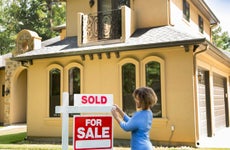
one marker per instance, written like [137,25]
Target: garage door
[219,101]
[204,104]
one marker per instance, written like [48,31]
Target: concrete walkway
[221,139]
[12,129]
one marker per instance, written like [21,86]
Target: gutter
[195,91]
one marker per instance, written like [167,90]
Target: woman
[140,123]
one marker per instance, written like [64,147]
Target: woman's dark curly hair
[146,97]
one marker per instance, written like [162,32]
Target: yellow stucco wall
[103,76]
[150,13]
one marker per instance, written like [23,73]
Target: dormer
[27,40]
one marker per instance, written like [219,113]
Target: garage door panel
[219,102]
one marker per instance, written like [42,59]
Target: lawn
[12,138]
[17,142]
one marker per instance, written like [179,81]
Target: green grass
[17,142]
[12,138]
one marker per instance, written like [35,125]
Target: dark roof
[165,36]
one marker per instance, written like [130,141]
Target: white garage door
[219,102]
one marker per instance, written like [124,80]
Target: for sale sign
[92,132]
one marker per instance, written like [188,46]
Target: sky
[221,8]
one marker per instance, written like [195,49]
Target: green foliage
[35,15]
[12,138]
[221,39]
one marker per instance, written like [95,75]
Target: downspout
[195,91]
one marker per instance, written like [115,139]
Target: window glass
[55,83]
[153,80]
[201,24]
[125,2]
[186,10]
[128,86]
[74,84]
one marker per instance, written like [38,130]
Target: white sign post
[83,103]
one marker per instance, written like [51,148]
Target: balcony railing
[102,26]
[115,25]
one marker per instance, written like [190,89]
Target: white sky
[221,8]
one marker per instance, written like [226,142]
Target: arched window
[154,74]
[74,84]
[55,91]
[153,80]
[128,86]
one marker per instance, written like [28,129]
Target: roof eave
[219,54]
[113,49]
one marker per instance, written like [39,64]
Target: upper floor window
[125,2]
[55,91]
[186,10]
[128,86]
[201,24]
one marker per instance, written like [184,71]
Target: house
[113,47]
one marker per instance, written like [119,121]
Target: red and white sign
[93,99]
[92,132]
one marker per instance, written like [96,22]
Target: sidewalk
[12,129]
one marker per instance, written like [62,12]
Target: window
[201,24]
[55,89]
[128,86]
[153,69]
[153,80]
[125,2]
[186,10]
[3,90]
[74,84]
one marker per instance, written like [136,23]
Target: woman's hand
[114,113]
[117,113]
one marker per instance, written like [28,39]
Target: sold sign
[93,99]
[92,132]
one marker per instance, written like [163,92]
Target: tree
[221,39]
[35,15]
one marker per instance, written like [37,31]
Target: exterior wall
[151,13]
[103,76]
[19,96]
[2,82]
[63,34]
[176,15]
[9,107]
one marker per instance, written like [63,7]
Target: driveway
[221,139]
